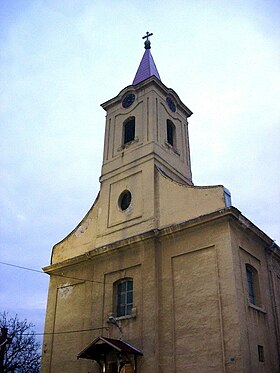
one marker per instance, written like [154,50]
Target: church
[161,275]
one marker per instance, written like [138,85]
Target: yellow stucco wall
[184,249]
[190,302]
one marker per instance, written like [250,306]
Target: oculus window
[124,297]
[129,130]
[125,200]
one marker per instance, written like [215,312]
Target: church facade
[160,276]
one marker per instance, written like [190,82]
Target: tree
[23,354]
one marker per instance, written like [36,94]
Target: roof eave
[229,212]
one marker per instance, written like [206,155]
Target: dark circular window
[171,104]
[125,200]
[128,100]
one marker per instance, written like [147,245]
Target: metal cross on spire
[147,41]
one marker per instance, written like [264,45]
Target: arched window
[170,132]
[253,285]
[129,130]
[123,297]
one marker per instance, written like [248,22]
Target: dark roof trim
[116,344]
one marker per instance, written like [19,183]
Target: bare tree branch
[23,354]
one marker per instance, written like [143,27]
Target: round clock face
[171,104]
[128,100]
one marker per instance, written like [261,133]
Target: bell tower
[146,132]
[147,121]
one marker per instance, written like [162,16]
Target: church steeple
[147,123]
[147,67]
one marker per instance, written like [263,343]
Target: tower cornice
[144,84]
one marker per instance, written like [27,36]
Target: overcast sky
[60,59]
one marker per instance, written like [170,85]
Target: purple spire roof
[146,69]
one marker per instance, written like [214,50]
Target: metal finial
[147,41]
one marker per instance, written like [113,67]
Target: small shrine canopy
[106,350]
[102,346]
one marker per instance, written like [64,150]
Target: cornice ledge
[102,250]
[246,224]
[228,212]
[274,250]
[202,219]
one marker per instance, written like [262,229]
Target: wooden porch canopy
[111,354]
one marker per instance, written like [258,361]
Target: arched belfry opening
[129,130]
[170,133]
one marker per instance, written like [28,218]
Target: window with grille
[124,297]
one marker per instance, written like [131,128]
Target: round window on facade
[124,200]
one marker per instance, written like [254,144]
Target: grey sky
[61,59]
